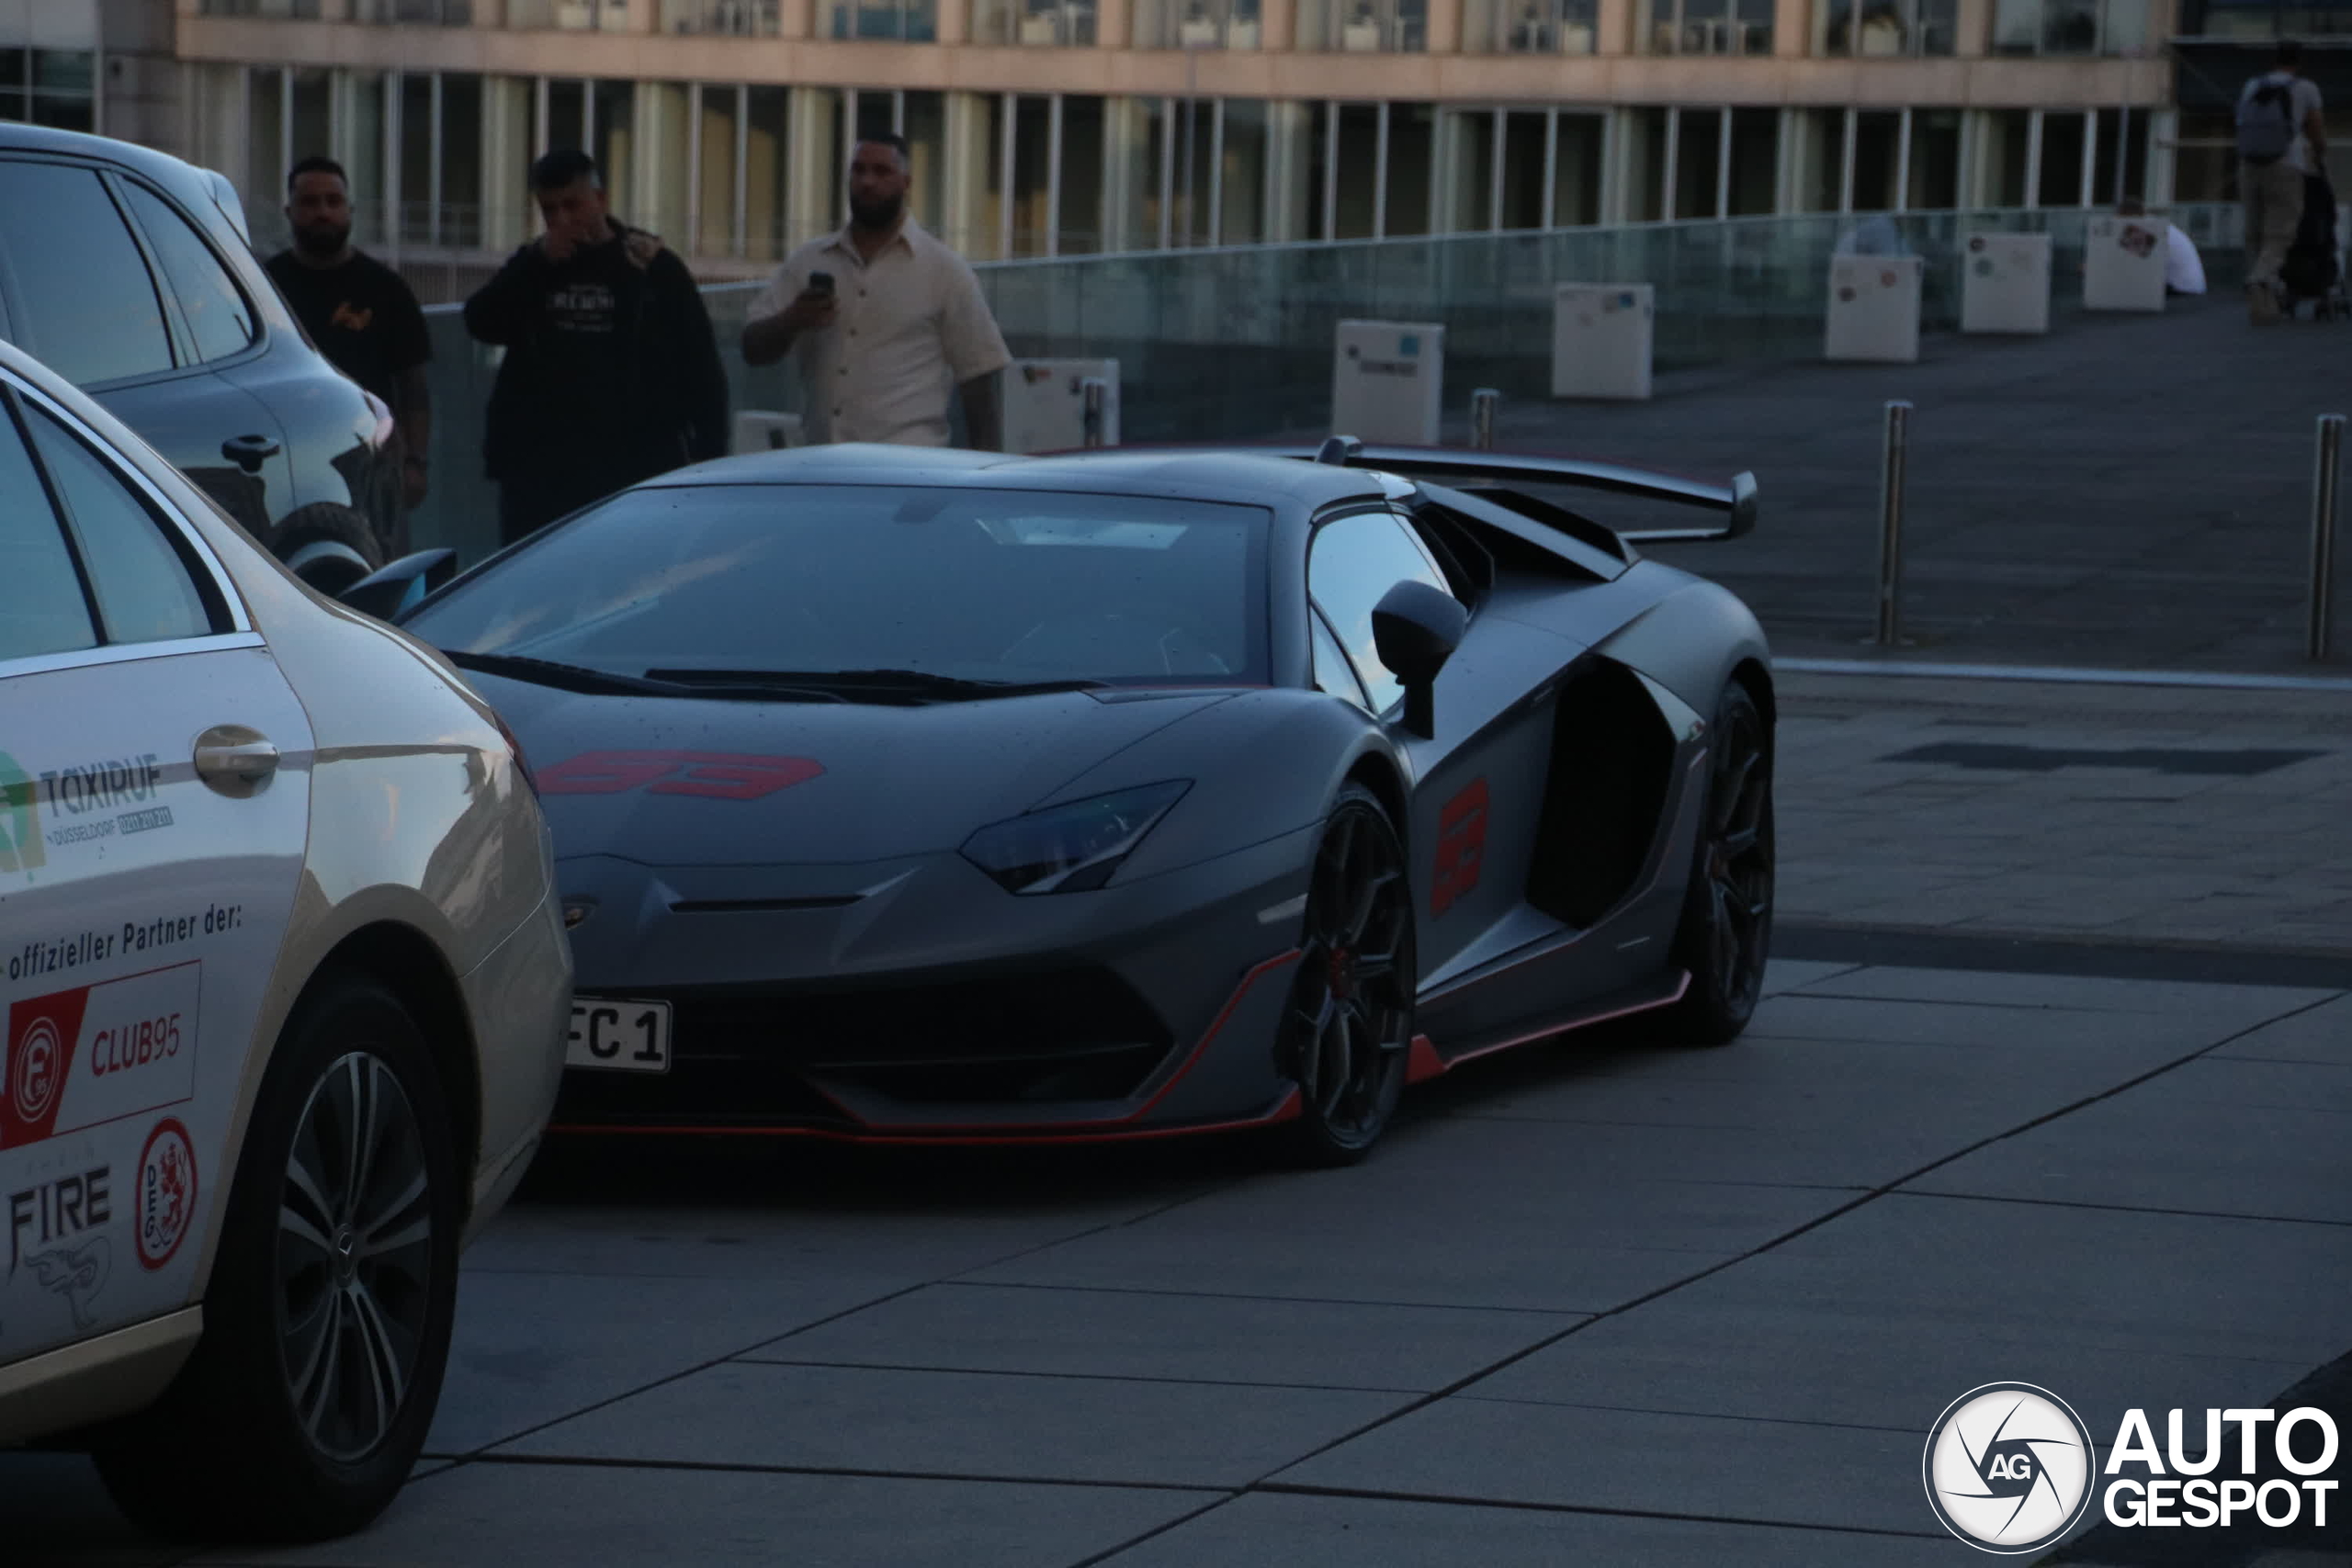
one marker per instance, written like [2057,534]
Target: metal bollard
[1483,403]
[1097,392]
[2326,469]
[1889,535]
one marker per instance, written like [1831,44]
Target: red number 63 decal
[713,775]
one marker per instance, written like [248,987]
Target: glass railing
[1236,344]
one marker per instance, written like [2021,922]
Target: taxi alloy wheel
[328,1312]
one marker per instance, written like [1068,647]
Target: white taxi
[284,992]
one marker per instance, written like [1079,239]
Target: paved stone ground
[1604,1302]
[2127,492]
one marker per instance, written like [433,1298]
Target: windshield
[1018,587]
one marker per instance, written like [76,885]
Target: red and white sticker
[165,1201]
[98,1053]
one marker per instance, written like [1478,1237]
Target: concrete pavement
[2055,1087]
[2130,490]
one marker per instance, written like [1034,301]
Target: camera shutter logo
[2008,1467]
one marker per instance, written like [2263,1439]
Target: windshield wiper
[612,682]
[563,677]
[872,685]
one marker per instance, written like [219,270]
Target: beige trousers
[2274,206]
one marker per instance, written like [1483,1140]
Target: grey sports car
[914,796]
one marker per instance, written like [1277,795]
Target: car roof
[1226,475]
[161,167]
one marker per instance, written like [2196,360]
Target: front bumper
[1133,1011]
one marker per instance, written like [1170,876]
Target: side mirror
[1415,629]
[1743,506]
[389,590]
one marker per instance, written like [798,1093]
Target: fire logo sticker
[2008,1467]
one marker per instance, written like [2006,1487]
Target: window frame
[233,625]
[166,301]
[119,183]
[1405,523]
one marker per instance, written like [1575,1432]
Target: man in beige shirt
[884,318]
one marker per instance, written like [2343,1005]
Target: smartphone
[820,282]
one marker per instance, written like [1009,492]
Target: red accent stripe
[1549,1030]
[1422,1061]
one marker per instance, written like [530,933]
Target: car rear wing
[1490,471]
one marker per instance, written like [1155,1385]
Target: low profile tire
[328,547]
[1726,930]
[1345,1033]
[327,1318]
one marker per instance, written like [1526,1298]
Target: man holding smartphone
[884,320]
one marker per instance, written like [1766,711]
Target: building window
[49,86]
[1365,27]
[747,18]
[1041,23]
[2071,27]
[1878,28]
[1711,26]
[298,10]
[562,16]
[1196,24]
[1530,27]
[906,21]
[427,13]
[2264,19]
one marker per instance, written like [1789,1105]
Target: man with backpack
[2280,141]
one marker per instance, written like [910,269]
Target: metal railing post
[2327,467]
[1096,391]
[1890,534]
[1483,403]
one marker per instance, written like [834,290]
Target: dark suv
[131,274]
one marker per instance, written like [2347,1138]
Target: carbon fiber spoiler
[1470,469]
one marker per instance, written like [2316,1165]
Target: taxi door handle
[232,757]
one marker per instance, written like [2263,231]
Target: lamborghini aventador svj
[944,795]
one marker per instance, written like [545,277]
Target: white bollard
[1602,339]
[2005,283]
[1045,403]
[2123,263]
[1873,309]
[1389,381]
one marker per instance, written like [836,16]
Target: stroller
[2313,270]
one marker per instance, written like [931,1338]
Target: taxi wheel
[328,1315]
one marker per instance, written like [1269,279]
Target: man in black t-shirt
[357,310]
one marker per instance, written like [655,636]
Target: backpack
[2266,125]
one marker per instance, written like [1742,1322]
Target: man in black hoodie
[612,374]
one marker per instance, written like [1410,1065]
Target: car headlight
[1073,848]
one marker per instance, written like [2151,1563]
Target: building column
[659,162]
[798,18]
[1615,35]
[1444,26]
[1290,149]
[813,164]
[1114,23]
[1972,30]
[1788,162]
[967,156]
[1619,130]
[2164,127]
[1278,25]
[506,116]
[1793,29]
[953,19]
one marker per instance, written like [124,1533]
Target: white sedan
[286,992]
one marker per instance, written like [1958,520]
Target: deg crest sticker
[164,1203]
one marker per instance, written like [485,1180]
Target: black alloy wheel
[1346,1032]
[1726,930]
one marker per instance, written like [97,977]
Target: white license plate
[612,1035]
